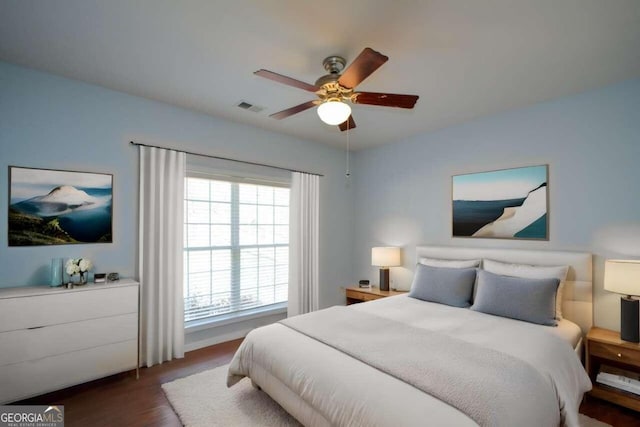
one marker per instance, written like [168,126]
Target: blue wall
[591,143]
[401,191]
[52,122]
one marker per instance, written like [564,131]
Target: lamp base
[629,322]
[384,279]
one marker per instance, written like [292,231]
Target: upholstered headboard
[577,304]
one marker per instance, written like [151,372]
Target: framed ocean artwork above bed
[57,207]
[502,204]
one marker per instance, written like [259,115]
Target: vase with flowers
[79,266]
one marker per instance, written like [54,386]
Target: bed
[403,361]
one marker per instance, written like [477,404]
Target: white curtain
[303,243]
[162,174]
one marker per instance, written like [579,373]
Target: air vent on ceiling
[246,106]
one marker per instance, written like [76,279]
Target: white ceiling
[465,59]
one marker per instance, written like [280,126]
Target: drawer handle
[619,355]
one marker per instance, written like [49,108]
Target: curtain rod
[226,158]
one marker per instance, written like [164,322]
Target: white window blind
[236,248]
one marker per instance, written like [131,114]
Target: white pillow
[526,271]
[450,263]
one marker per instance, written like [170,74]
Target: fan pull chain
[348,172]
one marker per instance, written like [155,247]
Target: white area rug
[203,400]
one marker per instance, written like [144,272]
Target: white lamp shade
[334,112]
[622,276]
[388,256]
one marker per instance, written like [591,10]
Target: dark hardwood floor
[121,400]
[609,413]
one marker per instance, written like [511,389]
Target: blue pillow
[531,300]
[450,286]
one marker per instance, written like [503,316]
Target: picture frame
[59,207]
[501,204]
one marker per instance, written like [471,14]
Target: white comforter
[322,386]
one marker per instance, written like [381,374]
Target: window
[236,246]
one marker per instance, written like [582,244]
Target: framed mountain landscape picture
[56,207]
[503,204]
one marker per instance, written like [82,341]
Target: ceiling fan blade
[293,110]
[362,67]
[285,80]
[347,124]
[385,99]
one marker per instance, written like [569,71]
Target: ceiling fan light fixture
[335,91]
[334,112]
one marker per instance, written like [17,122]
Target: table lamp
[623,277]
[385,257]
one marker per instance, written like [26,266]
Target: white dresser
[52,338]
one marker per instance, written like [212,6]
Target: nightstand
[356,294]
[604,347]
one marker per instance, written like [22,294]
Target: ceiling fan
[335,90]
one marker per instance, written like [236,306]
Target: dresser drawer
[53,309]
[362,296]
[31,378]
[614,352]
[32,344]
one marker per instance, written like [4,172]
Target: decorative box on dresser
[604,347]
[52,338]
